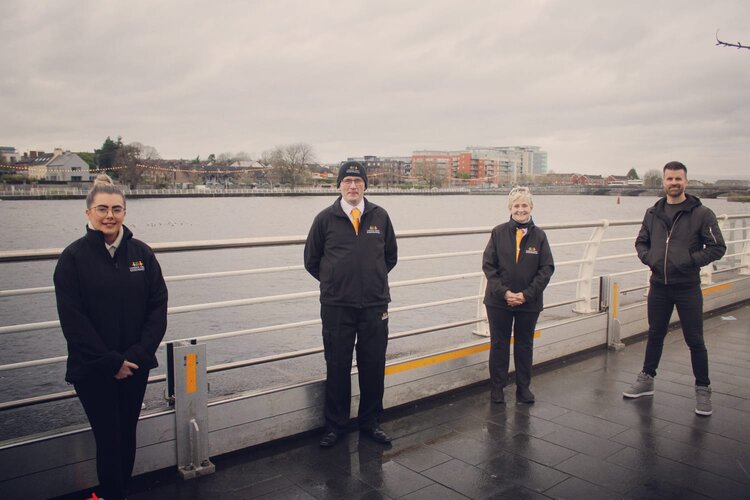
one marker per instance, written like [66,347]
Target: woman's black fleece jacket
[529,275]
[110,308]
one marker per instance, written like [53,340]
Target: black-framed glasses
[353,180]
[103,210]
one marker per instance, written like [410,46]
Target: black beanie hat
[352,169]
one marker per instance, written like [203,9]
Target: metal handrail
[261,242]
[187,246]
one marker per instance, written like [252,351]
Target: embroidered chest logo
[373,230]
[532,250]
[136,265]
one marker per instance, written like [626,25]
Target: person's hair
[103,184]
[519,192]
[674,165]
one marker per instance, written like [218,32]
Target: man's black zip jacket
[529,275]
[352,269]
[676,249]
[110,308]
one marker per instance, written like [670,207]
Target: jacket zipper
[666,249]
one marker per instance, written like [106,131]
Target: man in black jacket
[351,249]
[678,236]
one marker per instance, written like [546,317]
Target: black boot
[524,394]
[497,395]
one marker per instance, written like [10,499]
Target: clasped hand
[514,298]
[126,370]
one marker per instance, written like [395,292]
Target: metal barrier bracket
[191,410]
[609,289]
[482,327]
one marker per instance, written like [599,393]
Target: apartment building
[479,165]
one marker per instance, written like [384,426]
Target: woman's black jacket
[529,275]
[110,308]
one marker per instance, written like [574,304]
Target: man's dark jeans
[662,299]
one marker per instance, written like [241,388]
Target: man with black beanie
[350,250]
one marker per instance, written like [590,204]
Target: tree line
[289,164]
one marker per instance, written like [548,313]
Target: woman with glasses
[518,265]
[112,304]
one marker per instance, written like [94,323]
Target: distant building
[556,179]
[385,170]
[36,164]
[68,167]
[588,180]
[479,165]
[9,155]
[617,180]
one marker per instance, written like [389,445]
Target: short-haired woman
[518,265]
[112,304]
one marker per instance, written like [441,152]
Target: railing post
[481,328]
[745,257]
[708,271]
[609,300]
[586,270]
[191,410]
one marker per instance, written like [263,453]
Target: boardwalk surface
[580,440]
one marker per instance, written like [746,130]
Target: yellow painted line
[724,286]
[191,372]
[441,358]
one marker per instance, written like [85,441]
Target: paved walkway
[580,440]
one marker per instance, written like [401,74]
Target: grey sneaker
[644,386]
[703,400]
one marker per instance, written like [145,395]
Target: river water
[54,224]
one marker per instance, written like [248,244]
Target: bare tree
[725,44]
[224,158]
[289,163]
[128,162]
[652,178]
[432,175]
[146,152]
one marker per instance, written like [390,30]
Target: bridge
[614,190]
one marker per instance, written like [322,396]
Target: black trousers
[522,324]
[662,299]
[112,407]
[341,327]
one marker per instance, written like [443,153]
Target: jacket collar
[690,203]
[340,212]
[526,225]
[97,237]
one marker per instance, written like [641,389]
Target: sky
[602,86]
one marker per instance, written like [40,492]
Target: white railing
[583,294]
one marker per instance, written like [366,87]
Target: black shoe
[497,395]
[328,439]
[376,434]
[524,395]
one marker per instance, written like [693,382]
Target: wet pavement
[581,439]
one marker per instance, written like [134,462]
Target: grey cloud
[602,86]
